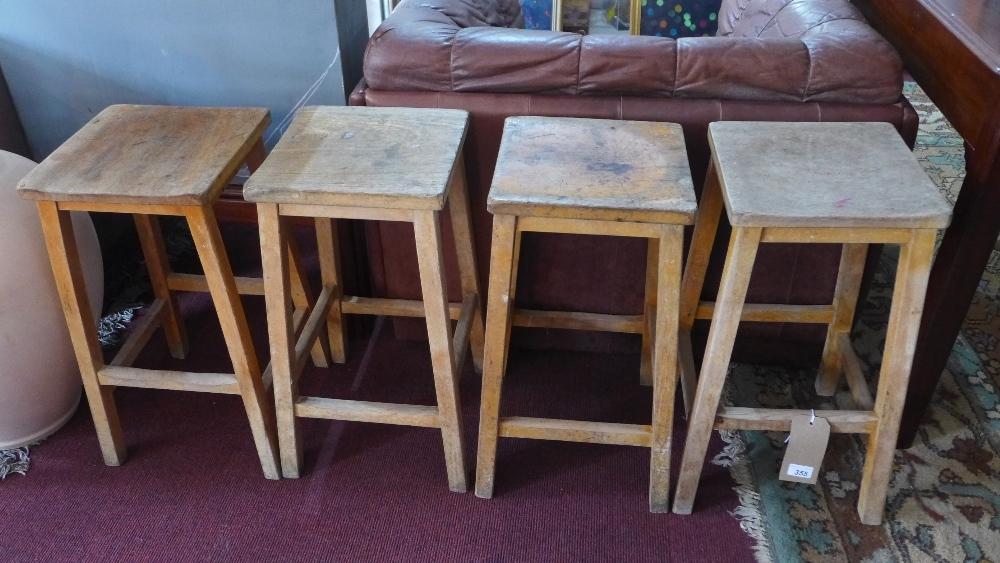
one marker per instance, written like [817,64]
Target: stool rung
[460,341]
[575,431]
[198,283]
[311,328]
[766,313]
[747,418]
[354,305]
[366,411]
[854,373]
[139,334]
[120,376]
[572,320]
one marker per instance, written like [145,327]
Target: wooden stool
[853,184]
[598,177]
[150,161]
[381,164]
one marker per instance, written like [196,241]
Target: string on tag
[812,422]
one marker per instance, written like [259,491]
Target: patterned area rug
[944,499]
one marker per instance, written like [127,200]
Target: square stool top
[595,169]
[849,175]
[149,154]
[399,158]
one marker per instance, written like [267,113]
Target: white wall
[66,60]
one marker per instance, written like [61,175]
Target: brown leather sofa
[777,60]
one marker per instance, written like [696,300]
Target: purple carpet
[192,488]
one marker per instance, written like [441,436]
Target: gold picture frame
[635,15]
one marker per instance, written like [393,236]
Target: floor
[192,489]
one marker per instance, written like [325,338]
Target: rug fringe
[15,460]
[749,513]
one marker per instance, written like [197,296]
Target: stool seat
[847,175]
[149,155]
[397,158]
[621,171]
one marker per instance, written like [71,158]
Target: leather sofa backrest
[768,50]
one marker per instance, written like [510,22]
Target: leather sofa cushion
[767,50]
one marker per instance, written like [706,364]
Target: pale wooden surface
[670,248]
[503,257]
[430,262]
[845,301]
[236,332]
[278,300]
[364,157]
[908,293]
[593,169]
[65,259]
[150,155]
[721,338]
[823,175]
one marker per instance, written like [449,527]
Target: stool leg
[60,242]
[281,334]
[668,266]
[649,308]
[845,301]
[512,293]
[155,253]
[502,278]
[721,336]
[706,227]
[329,264]
[222,286]
[427,228]
[303,299]
[465,249]
[915,260]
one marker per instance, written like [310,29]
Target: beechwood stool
[595,177]
[379,164]
[852,184]
[150,161]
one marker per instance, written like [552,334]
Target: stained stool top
[149,154]
[849,175]
[593,169]
[399,158]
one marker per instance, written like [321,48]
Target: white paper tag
[800,471]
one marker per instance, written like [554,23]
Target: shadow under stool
[151,161]
[595,177]
[852,184]
[376,164]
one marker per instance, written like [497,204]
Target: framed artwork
[597,17]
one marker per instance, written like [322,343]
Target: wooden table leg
[60,242]
[958,269]
[649,309]
[328,245]
[303,298]
[497,340]
[465,249]
[900,343]
[668,265]
[427,229]
[280,332]
[718,351]
[155,253]
[222,286]
[706,226]
[845,301]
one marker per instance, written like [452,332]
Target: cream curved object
[39,380]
